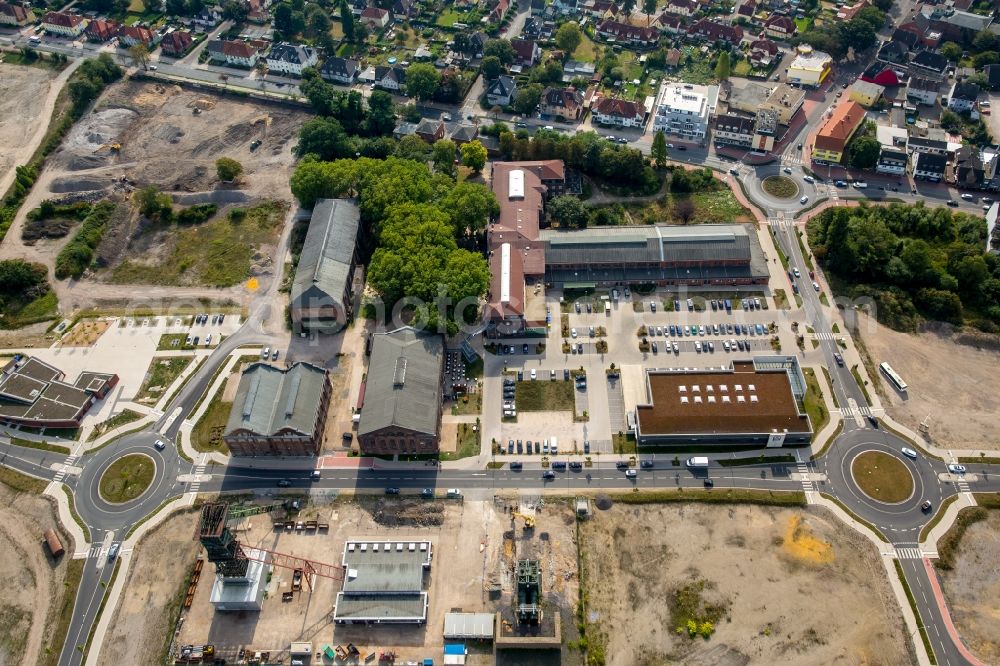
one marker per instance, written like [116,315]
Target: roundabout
[882,477]
[780,187]
[127,478]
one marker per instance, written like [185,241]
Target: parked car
[284,483]
[392,491]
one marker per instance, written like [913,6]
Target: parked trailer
[54,544]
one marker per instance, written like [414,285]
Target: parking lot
[704,336]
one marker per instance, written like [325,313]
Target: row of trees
[415,218]
[585,151]
[914,261]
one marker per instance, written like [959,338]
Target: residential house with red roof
[176,43]
[762,53]
[64,24]
[499,10]
[625,33]
[100,30]
[618,112]
[131,35]
[240,54]
[526,52]
[375,18]
[716,32]
[12,14]
[671,23]
[562,103]
[780,26]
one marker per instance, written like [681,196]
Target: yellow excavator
[529,521]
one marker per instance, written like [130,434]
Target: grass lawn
[781,299]
[623,443]
[741,68]
[16,315]
[718,206]
[448,18]
[882,477]
[173,342]
[803,24]
[336,30]
[216,253]
[41,446]
[467,445]
[862,383]
[137,6]
[207,433]
[815,407]
[120,419]
[586,51]
[127,478]
[780,186]
[162,372]
[468,404]
[544,396]
[21,482]
[694,68]
[59,627]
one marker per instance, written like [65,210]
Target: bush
[77,255]
[196,214]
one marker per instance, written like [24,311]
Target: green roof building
[279,411]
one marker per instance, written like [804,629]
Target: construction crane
[231,559]
[529,521]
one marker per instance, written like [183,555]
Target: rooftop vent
[399,376]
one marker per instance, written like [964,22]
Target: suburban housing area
[425,319]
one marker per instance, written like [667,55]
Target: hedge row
[77,255]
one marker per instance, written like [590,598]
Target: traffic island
[780,187]
[127,478]
[882,477]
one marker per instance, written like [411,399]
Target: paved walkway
[943,607]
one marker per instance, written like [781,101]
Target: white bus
[893,378]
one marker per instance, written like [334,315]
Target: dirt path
[28,115]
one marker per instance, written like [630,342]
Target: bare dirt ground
[31,580]
[22,97]
[973,588]
[950,384]
[468,541]
[781,586]
[140,627]
[165,143]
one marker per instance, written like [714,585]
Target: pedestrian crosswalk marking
[855,411]
[195,485]
[61,474]
[909,554]
[807,484]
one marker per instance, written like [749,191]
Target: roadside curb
[964,501]
[887,555]
[114,594]
[80,542]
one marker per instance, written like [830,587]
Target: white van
[697,462]
[554,446]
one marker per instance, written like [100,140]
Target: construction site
[326,580]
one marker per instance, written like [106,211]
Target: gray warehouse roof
[270,399]
[325,264]
[404,380]
[468,625]
[664,244]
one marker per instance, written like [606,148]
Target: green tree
[473,155]
[283,19]
[980,60]
[422,80]
[228,169]
[139,55]
[154,204]
[628,6]
[491,67]
[443,156]
[568,37]
[412,147]
[470,206]
[951,51]
[568,212]
[985,41]
[501,49]
[722,66]
[347,21]
[649,8]
[325,138]
[864,152]
[235,11]
[659,149]
[381,119]
[527,97]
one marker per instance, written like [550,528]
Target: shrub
[77,255]
[196,214]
